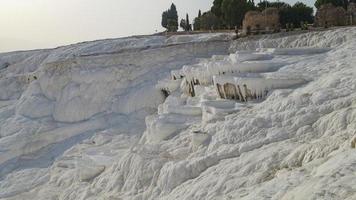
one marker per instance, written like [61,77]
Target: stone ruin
[329,15]
[351,11]
[267,20]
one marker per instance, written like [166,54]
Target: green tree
[295,14]
[216,9]
[234,11]
[302,13]
[266,4]
[173,19]
[209,21]
[173,14]
[164,21]
[197,21]
[170,19]
[188,25]
[185,24]
[172,25]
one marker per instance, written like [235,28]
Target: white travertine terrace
[115,119]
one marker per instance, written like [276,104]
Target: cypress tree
[170,19]
[173,19]
[197,25]
[187,23]
[164,22]
[216,9]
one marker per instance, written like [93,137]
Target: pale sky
[32,24]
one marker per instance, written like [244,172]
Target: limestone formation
[230,91]
[4,65]
[246,89]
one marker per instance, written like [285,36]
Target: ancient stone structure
[351,11]
[329,15]
[267,20]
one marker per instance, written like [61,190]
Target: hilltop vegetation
[229,14]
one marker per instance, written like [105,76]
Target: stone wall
[329,15]
[265,20]
[351,11]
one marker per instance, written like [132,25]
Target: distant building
[329,15]
[267,20]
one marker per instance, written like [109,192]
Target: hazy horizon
[35,24]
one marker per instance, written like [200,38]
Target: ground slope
[295,142]
[53,99]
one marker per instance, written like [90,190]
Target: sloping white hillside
[181,118]
[51,100]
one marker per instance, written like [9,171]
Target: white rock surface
[77,130]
